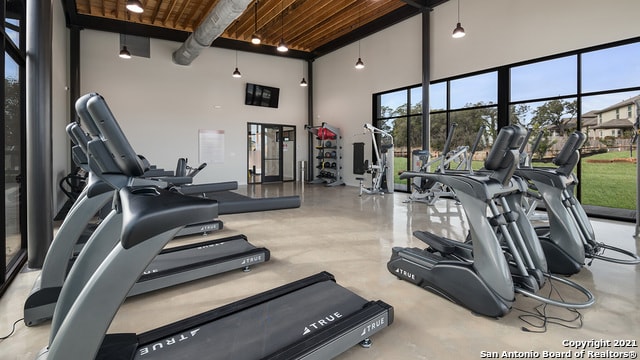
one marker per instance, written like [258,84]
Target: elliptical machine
[503,257]
[382,170]
[459,159]
[569,238]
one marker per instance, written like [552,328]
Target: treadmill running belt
[262,329]
[196,253]
[234,203]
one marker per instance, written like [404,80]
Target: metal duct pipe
[213,26]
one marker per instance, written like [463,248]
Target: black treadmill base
[312,317]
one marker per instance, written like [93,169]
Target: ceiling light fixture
[236,72]
[255,39]
[124,53]
[135,6]
[359,63]
[458,32]
[282,46]
[303,83]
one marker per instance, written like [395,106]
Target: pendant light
[236,72]
[303,83]
[458,32]
[135,6]
[359,63]
[255,39]
[124,52]
[282,46]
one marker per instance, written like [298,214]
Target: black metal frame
[9,269]
[504,99]
[280,155]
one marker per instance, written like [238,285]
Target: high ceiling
[310,28]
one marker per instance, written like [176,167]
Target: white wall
[342,94]
[161,105]
[59,103]
[499,32]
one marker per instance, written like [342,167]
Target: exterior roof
[615,124]
[630,101]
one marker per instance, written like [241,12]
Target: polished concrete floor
[351,237]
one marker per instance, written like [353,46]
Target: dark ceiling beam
[417,3]
[424,4]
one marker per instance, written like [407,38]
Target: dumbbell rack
[328,155]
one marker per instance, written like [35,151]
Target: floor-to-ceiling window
[465,105]
[595,90]
[13,221]
[399,112]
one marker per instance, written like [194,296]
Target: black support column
[426,78]
[39,157]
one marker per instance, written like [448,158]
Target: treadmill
[172,266]
[313,318]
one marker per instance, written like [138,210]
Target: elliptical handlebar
[447,145]
[526,141]
[474,147]
[536,143]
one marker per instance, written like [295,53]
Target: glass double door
[270,153]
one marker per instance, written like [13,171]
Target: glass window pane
[612,68]
[608,175]
[392,104]
[438,132]
[544,79]
[14,10]
[12,155]
[398,130]
[474,91]
[416,100]
[13,31]
[468,125]
[438,96]
[552,119]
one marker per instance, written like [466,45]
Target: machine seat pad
[443,245]
[148,211]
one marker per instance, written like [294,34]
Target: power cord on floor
[540,314]
[13,329]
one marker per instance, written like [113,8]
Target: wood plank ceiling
[305,25]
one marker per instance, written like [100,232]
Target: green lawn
[611,184]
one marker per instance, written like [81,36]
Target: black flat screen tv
[260,95]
